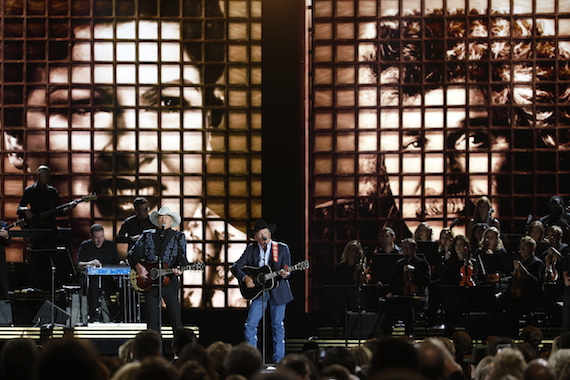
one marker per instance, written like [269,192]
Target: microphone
[455,221]
[162,231]
[528,220]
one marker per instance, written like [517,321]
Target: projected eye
[472,140]
[413,143]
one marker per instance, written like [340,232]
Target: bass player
[168,247]
[265,251]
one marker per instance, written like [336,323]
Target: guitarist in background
[38,198]
[170,247]
[277,255]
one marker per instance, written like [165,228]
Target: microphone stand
[263,310]
[161,252]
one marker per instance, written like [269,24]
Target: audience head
[192,370]
[563,340]
[335,372]
[18,359]
[339,355]
[218,351]
[198,353]
[243,359]
[147,343]
[533,335]
[157,368]
[483,368]
[182,337]
[66,359]
[558,359]
[362,355]
[507,362]
[393,353]
[539,369]
[299,364]
[129,371]
[431,360]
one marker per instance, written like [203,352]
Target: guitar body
[154,274]
[141,285]
[258,274]
[264,279]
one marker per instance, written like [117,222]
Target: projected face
[134,105]
[451,151]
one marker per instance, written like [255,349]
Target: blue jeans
[277,315]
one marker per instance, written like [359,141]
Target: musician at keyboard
[97,252]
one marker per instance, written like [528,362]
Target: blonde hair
[352,243]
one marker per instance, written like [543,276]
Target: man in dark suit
[265,251]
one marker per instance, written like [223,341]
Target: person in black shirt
[525,289]
[169,246]
[350,270]
[134,225]
[97,252]
[407,290]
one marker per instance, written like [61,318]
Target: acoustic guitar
[154,274]
[27,223]
[264,279]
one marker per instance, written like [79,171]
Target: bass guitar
[26,223]
[154,274]
[264,279]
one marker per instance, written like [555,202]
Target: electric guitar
[154,274]
[264,279]
[27,223]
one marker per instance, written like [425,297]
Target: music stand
[349,298]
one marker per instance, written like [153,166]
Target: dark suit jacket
[282,293]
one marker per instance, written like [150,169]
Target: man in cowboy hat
[169,247]
[265,251]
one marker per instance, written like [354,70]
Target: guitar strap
[275,250]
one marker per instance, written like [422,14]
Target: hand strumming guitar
[248,281]
[141,271]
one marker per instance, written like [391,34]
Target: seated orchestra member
[482,214]
[407,290]
[97,252]
[351,269]
[134,225]
[553,257]
[436,259]
[169,246]
[458,270]
[423,232]
[557,215]
[536,230]
[566,295]
[525,288]
[476,235]
[493,262]
[387,246]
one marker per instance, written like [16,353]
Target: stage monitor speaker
[6,313]
[43,316]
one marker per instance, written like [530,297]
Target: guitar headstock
[89,197]
[301,265]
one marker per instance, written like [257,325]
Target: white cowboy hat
[164,210]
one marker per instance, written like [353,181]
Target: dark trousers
[154,306]
[399,308]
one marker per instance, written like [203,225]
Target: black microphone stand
[160,253]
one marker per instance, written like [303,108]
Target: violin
[466,274]
[550,273]
[410,287]
[518,277]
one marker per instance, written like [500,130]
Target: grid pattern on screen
[163,103]
[419,108]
